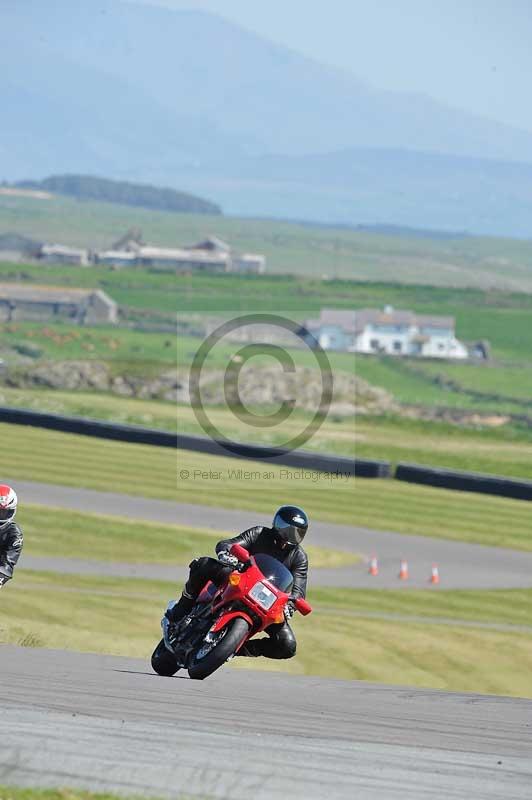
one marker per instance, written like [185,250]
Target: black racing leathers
[281,642]
[262,540]
[10,549]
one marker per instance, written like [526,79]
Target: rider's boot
[175,614]
[172,617]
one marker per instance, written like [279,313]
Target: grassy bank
[504,450]
[437,649]
[97,537]
[80,461]
[15,793]
[500,387]
[62,342]
[499,316]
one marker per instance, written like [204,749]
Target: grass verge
[16,793]
[80,461]
[503,450]
[70,534]
[463,261]
[121,617]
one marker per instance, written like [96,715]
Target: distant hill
[371,186]
[88,187]
[187,99]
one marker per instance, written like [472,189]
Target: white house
[388,332]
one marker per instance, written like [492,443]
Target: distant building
[61,254]
[53,303]
[182,260]
[14,247]
[116,258]
[248,262]
[210,255]
[213,244]
[387,332]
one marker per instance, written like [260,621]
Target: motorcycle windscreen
[275,572]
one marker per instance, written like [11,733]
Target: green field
[119,347]
[437,648]
[500,391]
[95,405]
[289,247]
[506,450]
[71,460]
[97,537]
[15,793]
[493,388]
[499,316]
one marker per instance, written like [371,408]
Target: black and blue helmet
[290,525]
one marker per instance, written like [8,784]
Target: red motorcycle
[223,619]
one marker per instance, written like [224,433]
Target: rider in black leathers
[282,541]
[10,534]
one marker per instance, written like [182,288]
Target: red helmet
[8,505]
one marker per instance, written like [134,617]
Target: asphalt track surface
[108,723]
[461,566]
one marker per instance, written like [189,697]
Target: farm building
[209,255]
[387,332]
[14,247]
[61,254]
[183,260]
[116,258]
[54,303]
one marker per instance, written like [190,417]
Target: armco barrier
[299,459]
[88,427]
[465,481]
[302,459]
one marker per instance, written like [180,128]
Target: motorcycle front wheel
[205,663]
[162,661]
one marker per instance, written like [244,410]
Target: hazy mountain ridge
[368,186]
[190,100]
[266,97]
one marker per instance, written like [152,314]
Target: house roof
[50,294]
[213,244]
[180,254]
[131,240]
[344,318]
[125,255]
[16,242]
[62,250]
[429,321]
[356,320]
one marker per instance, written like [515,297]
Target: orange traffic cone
[434,575]
[373,566]
[403,570]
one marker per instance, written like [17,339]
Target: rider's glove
[289,610]
[228,560]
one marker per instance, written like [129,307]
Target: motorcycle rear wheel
[237,630]
[162,661]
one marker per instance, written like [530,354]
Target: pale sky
[475,54]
